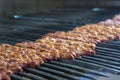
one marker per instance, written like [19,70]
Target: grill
[103,66]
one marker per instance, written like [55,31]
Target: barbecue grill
[105,65]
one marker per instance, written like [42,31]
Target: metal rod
[98,62]
[66,70]
[103,60]
[74,68]
[31,76]
[43,74]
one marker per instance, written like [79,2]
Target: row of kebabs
[68,45]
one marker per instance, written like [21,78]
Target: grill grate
[107,60]
[104,63]
[86,68]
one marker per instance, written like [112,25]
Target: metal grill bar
[16,77]
[107,57]
[47,74]
[109,45]
[75,68]
[6,41]
[98,62]
[31,76]
[91,65]
[8,26]
[15,39]
[113,46]
[21,37]
[67,70]
[58,73]
[103,60]
[112,54]
[30,35]
[107,49]
[115,42]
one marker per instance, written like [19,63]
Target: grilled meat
[68,45]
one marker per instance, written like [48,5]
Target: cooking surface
[103,66]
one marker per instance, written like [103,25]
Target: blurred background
[23,7]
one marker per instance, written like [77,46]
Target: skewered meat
[68,45]
[42,49]
[116,17]
[75,46]
[86,35]
[3,75]
[111,23]
[13,59]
